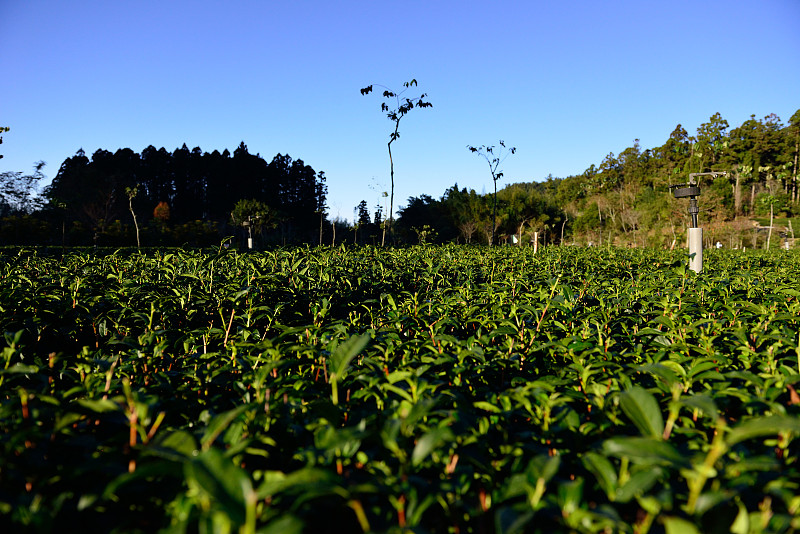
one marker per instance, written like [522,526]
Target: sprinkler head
[692,191]
[686,190]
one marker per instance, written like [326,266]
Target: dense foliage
[86,201]
[625,199]
[428,389]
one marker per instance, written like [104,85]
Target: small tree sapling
[395,112]
[494,157]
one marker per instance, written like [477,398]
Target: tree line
[626,199]
[184,196]
[195,197]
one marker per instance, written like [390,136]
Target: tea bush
[425,389]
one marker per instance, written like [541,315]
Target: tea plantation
[426,389]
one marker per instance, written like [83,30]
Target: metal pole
[693,211]
[249,225]
[695,237]
[696,249]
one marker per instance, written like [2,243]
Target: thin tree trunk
[494,209]
[600,214]
[391,194]
[794,172]
[135,224]
[771,218]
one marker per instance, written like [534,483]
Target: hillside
[626,200]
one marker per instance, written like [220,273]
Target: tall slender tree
[399,108]
[794,142]
[494,157]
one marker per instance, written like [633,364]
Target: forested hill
[625,199]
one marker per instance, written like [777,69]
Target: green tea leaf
[663,372]
[224,483]
[702,402]
[763,426]
[219,424]
[602,469]
[19,368]
[275,482]
[429,442]
[100,405]
[642,409]
[638,484]
[285,524]
[646,451]
[344,353]
[677,525]
[488,406]
[544,466]
[178,444]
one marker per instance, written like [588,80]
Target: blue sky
[565,82]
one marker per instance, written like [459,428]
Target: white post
[696,249]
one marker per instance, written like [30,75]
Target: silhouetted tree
[196,186]
[395,113]
[494,157]
[155,177]
[362,213]
[89,190]
[425,211]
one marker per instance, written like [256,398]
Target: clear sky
[566,82]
